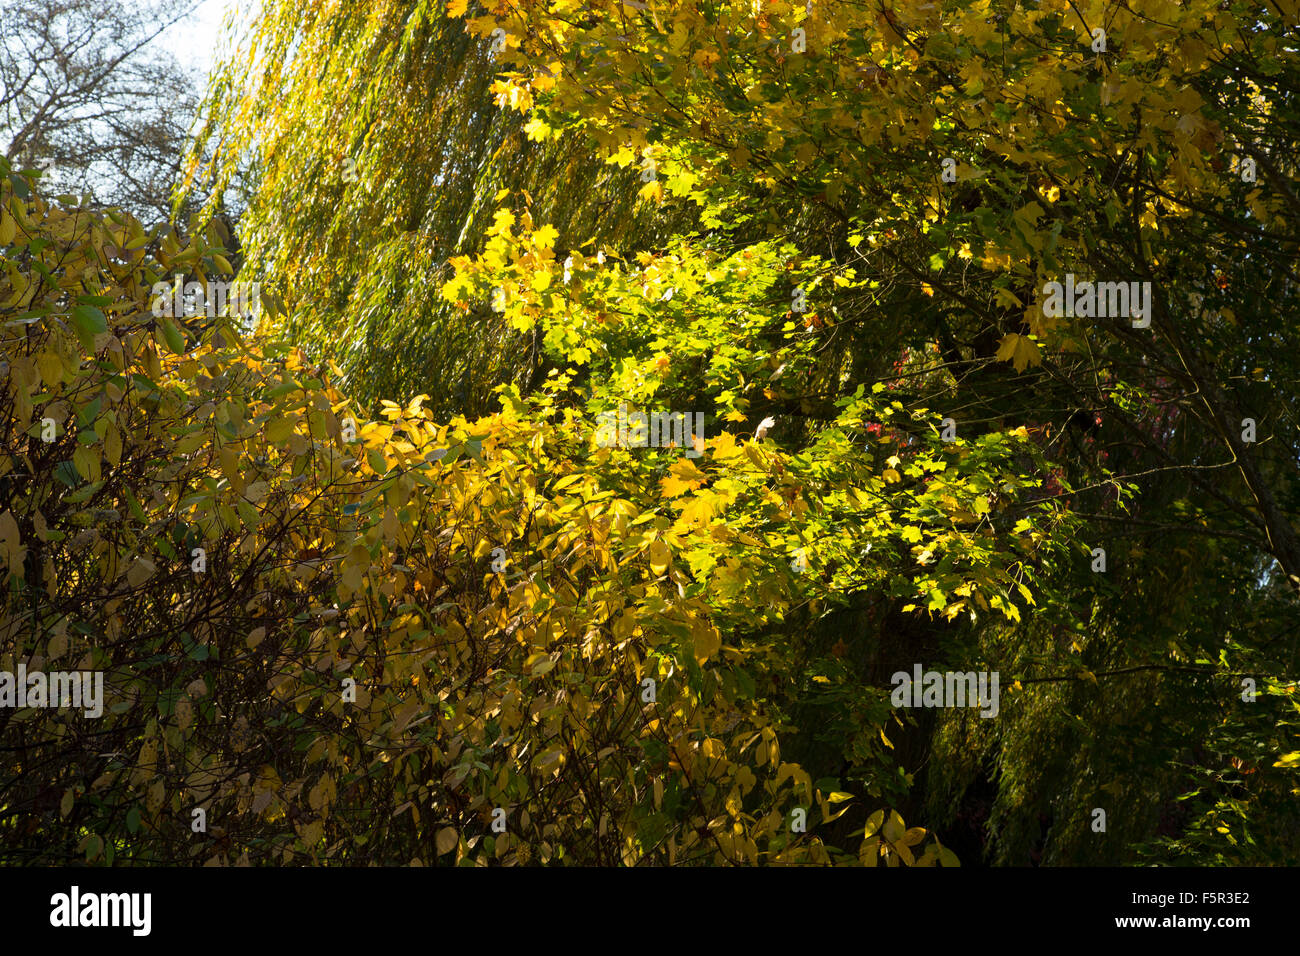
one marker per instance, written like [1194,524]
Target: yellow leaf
[113,444]
[995,260]
[1020,350]
[502,220]
[10,546]
[1007,298]
[708,641]
[539,664]
[683,477]
[685,468]
[894,827]
[1026,354]
[389,524]
[446,840]
[311,833]
[660,556]
[50,368]
[279,429]
[141,570]
[456,8]
[652,190]
[697,512]
[86,460]
[673,486]
[546,236]
[869,854]
[535,128]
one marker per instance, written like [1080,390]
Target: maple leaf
[683,477]
[1020,350]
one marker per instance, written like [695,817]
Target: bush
[342,640]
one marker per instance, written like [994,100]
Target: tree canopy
[638,390]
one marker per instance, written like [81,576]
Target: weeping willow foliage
[1151,722]
[375,151]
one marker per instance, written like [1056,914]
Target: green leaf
[89,320]
[175,340]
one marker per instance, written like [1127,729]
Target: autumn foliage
[335,549]
[367,587]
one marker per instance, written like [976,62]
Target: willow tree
[376,143]
[972,162]
[935,167]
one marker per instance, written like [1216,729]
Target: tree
[846,396]
[916,142]
[343,640]
[375,156]
[85,97]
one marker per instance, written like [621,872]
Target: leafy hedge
[304,624]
